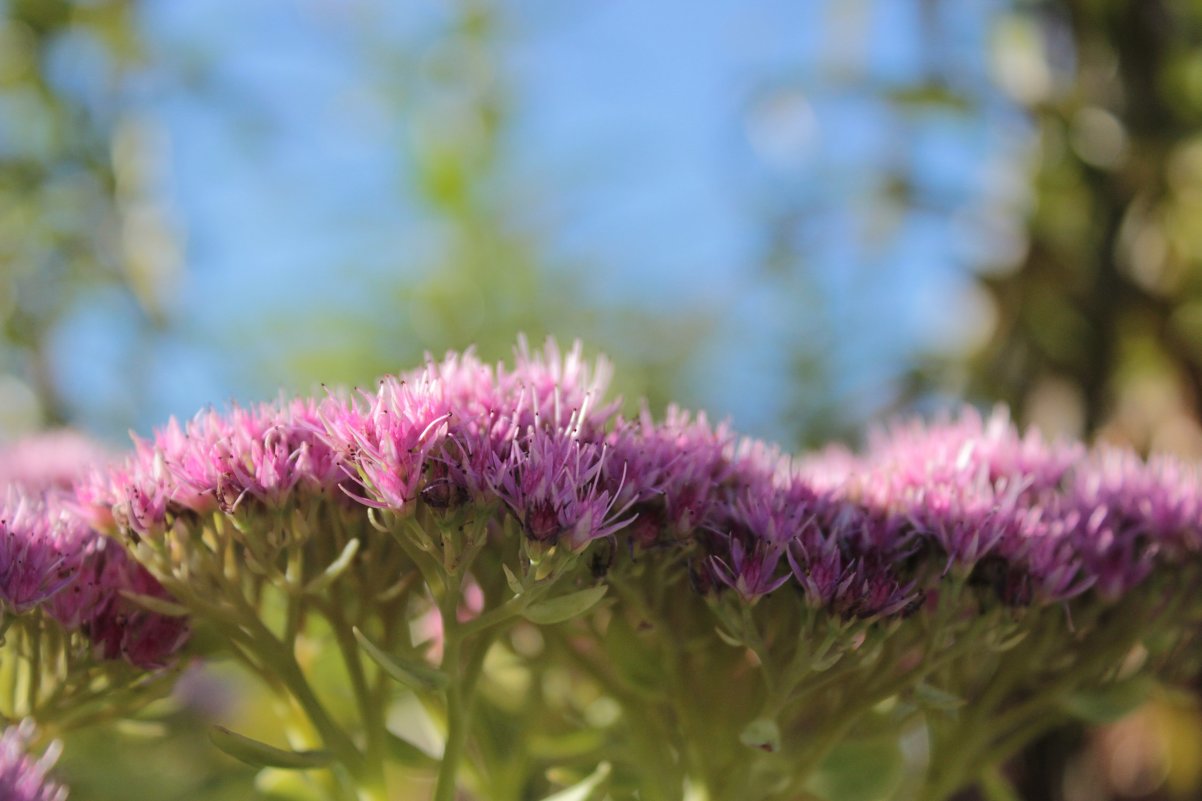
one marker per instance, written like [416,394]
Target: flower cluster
[262,517]
[53,561]
[1039,521]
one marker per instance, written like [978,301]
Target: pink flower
[118,628]
[49,459]
[386,439]
[41,547]
[672,472]
[557,390]
[551,483]
[23,778]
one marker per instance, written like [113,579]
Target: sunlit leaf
[262,755]
[588,789]
[565,607]
[414,674]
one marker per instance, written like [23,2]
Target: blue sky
[651,141]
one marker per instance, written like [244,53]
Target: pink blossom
[551,482]
[49,459]
[386,438]
[23,778]
[95,603]
[41,546]
[672,472]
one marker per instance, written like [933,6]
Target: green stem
[370,777]
[457,718]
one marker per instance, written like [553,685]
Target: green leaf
[334,569]
[729,638]
[406,753]
[414,674]
[161,606]
[761,733]
[262,755]
[859,770]
[274,784]
[929,697]
[515,584]
[588,789]
[1110,703]
[565,607]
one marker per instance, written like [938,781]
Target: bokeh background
[804,215]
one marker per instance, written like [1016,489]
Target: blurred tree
[77,216]
[1100,324]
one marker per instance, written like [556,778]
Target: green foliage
[859,770]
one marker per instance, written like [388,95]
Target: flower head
[672,473]
[551,482]
[386,438]
[41,545]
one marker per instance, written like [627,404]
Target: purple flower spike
[23,778]
[551,483]
[41,546]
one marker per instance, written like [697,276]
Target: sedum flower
[551,482]
[41,546]
[265,453]
[96,602]
[670,472]
[385,439]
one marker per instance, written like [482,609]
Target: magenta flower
[559,391]
[41,547]
[386,438]
[49,459]
[23,778]
[672,472]
[215,461]
[551,482]
[120,628]
[265,453]
[134,495]
[95,603]
[749,566]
